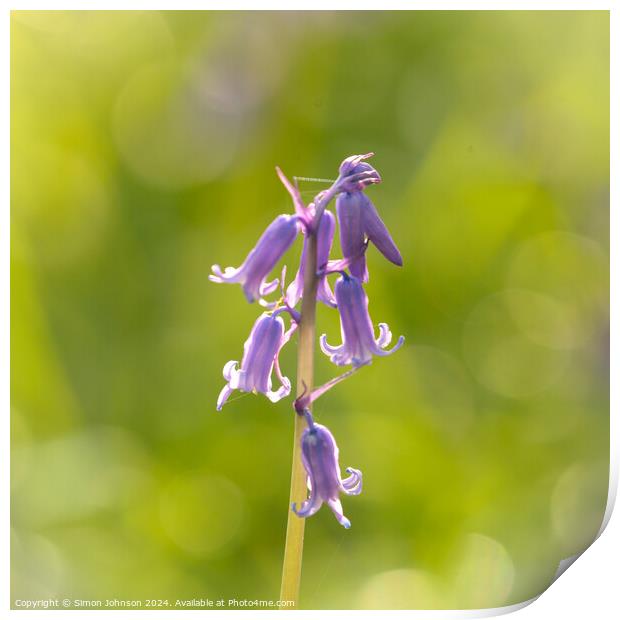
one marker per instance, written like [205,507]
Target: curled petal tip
[223,397]
[216,275]
[282,392]
[327,348]
[398,345]
[268,305]
[267,288]
[229,368]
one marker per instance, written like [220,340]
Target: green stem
[293,549]
[294,544]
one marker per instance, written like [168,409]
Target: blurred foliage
[143,151]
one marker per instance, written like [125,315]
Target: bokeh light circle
[573,271]
[170,130]
[501,355]
[578,504]
[404,588]
[484,573]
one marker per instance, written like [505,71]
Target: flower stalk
[294,543]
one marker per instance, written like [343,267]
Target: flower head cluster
[359,224]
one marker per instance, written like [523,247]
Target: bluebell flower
[253,273]
[358,334]
[260,356]
[325,238]
[358,219]
[319,454]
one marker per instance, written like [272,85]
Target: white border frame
[589,586]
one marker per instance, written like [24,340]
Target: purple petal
[351,162]
[296,287]
[325,238]
[319,454]
[384,352]
[377,232]
[267,288]
[341,264]
[324,293]
[356,325]
[356,174]
[223,396]
[282,392]
[285,388]
[309,507]
[336,506]
[229,275]
[352,236]
[352,484]
[327,348]
[385,336]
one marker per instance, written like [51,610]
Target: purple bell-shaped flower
[260,355]
[358,334]
[319,454]
[253,273]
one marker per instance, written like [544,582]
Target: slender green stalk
[293,549]
[294,545]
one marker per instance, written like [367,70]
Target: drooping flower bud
[358,219]
[355,174]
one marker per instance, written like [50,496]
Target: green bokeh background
[143,151]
